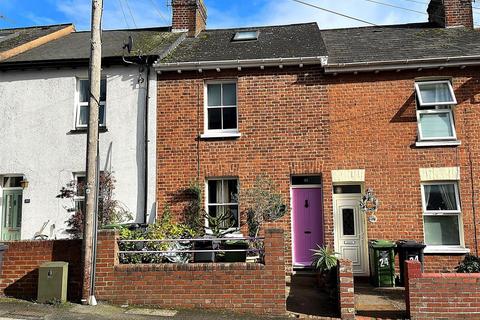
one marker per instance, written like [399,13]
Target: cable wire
[131,14]
[334,12]
[159,12]
[397,7]
[124,15]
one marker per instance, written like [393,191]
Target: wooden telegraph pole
[94,75]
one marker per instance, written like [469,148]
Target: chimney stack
[451,13]
[189,15]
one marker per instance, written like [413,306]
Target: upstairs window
[83,100]
[221,107]
[435,100]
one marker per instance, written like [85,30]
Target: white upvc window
[82,109]
[80,181]
[221,112]
[442,220]
[435,93]
[222,199]
[435,120]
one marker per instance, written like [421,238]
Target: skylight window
[246,35]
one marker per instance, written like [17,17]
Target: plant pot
[237,256]
[203,256]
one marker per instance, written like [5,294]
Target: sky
[123,14]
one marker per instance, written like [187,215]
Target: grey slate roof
[399,42]
[11,38]
[288,41]
[76,46]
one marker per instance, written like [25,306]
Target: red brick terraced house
[327,115]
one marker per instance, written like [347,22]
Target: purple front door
[307,223]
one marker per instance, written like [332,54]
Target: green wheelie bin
[382,263]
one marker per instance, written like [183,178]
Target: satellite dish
[128,45]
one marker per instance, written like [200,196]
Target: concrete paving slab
[152,312]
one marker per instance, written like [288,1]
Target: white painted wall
[37,113]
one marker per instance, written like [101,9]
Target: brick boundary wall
[441,295]
[239,287]
[19,273]
[346,294]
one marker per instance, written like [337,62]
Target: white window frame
[79,104]
[207,204]
[436,111]
[77,198]
[457,213]
[219,132]
[418,84]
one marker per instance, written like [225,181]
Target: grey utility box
[52,282]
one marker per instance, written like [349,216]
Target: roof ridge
[411,24]
[39,27]
[265,26]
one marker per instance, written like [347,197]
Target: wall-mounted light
[24,183]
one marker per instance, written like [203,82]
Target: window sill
[446,249]
[438,143]
[220,135]
[84,130]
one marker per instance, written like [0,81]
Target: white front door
[350,235]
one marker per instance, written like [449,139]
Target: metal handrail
[194,239]
[194,251]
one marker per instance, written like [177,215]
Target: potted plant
[218,226]
[235,256]
[325,262]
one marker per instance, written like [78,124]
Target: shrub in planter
[235,256]
[470,264]
[325,262]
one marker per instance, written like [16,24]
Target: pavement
[379,303]
[13,309]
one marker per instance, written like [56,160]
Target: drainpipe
[145,126]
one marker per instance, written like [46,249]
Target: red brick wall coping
[441,295]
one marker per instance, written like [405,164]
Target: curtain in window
[435,92]
[427,190]
[448,196]
[436,125]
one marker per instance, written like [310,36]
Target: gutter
[459,61]
[238,64]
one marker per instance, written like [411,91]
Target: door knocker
[306,203]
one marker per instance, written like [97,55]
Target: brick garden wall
[19,275]
[346,291]
[298,121]
[240,287]
[441,295]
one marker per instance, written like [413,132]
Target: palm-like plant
[324,259]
